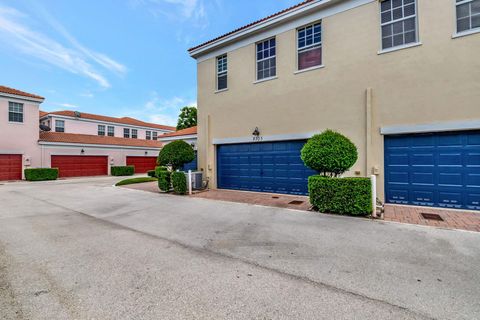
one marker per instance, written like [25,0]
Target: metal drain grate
[432,216]
[275,197]
[296,202]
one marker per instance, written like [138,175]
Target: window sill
[465,33]
[220,91]
[264,80]
[410,45]
[309,69]
[15,122]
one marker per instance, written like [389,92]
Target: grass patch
[135,180]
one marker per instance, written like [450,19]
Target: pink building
[79,144]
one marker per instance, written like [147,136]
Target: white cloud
[160,110]
[75,58]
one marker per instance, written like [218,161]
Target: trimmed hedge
[163,180]
[151,173]
[41,174]
[329,153]
[120,171]
[179,182]
[176,154]
[160,169]
[350,196]
[135,181]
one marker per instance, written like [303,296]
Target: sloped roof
[183,132]
[42,113]
[8,90]
[75,138]
[124,120]
[252,24]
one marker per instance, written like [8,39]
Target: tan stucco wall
[436,82]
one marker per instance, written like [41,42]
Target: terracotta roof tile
[184,132]
[124,120]
[91,139]
[42,113]
[252,24]
[8,90]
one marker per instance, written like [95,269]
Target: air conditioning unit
[197,179]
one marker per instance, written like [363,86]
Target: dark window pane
[387,43]
[409,10]
[463,24]
[272,42]
[409,25]
[396,3]
[301,43]
[398,27]
[398,40]
[272,51]
[386,5]
[463,10]
[260,47]
[397,13]
[222,82]
[310,58]
[387,30]
[408,1]
[301,33]
[476,21]
[476,7]
[410,37]
[386,16]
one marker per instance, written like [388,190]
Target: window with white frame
[59,126]
[111,131]
[126,133]
[101,130]
[155,135]
[134,133]
[309,46]
[15,112]
[468,15]
[148,135]
[222,72]
[266,59]
[399,22]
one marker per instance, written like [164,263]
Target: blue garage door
[441,170]
[191,165]
[265,167]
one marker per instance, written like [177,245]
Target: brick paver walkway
[453,219]
[266,199]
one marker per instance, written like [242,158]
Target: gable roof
[124,120]
[8,90]
[101,140]
[253,24]
[183,132]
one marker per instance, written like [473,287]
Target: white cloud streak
[75,58]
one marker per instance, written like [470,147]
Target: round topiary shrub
[176,154]
[164,180]
[179,182]
[329,153]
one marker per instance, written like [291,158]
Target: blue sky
[115,57]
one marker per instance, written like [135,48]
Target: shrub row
[122,171]
[351,196]
[179,182]
[41,174]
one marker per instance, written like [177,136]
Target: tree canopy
[187,118]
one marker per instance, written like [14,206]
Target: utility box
[197,179]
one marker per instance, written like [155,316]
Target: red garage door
[10,166]
[80,166]
[142,164]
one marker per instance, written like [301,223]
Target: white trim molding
[22,98]
[278,137]
[290,20]
[174,138]
[432,127]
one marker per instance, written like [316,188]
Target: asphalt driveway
[82,249]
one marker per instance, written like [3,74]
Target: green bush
[350,196]
[163,180]
[160,169]
[41,174]
[179,182]
[329,153]
[120,171]
[151,173]
[176,154]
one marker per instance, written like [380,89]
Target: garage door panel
[280,170]
[142,164]
[10,167]
[80,166]
[433,169]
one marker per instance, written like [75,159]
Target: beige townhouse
[400,78]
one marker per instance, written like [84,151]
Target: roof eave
[20,97]
[242,33]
